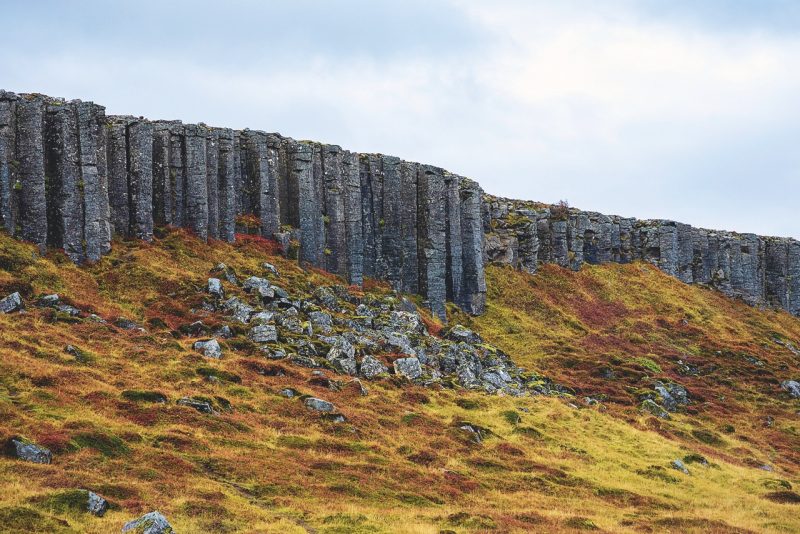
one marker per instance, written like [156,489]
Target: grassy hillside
[401,463]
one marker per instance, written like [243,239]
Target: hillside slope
[654,371]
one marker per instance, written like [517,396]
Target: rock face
[70,177]
[759,270]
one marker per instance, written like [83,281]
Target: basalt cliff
[71,177]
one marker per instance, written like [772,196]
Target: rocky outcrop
[759,270]
[71,177]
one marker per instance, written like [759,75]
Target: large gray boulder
[215,288]
[342,356]
[263,333]
[319,405]
[254,283]
[672,395]
[152,523]
[27,451]
[11,303]
[96,505]
[408,367]
[793,387]
[372,367]
[209,348]
[462,334]
[238,309]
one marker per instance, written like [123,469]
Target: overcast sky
[688,110]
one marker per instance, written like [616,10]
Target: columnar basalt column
[302,173]
[226,167]
[162,181]
[351,177]
[8,161]
[30,154]
[270,194]
[431,239]
[474,287]
[91,121]
[140,178]
[212,181]
[408,226]
[390,223]
[118,196]
[793,272]
[177,173]
[453,238]
[64,194]
[318,187]
[371,212]
[196,193]
[335,219]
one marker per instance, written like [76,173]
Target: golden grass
[400,463]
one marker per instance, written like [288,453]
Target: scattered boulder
[96,505]
[672,395]
[408,367]
[23,449]
[263,333]
[403,321]
[649,405]
[254,283]
[209,347]
[342,356]
[127,324]
[462,334]
[263,317]
[289,393]
[49,301]
[319,405]
[270,268]
[679,466]
[238,309]
[151,523]
[195,329]
[326,297]
[202,406]
[66,309]
[372,367]
[81,356]
[11,303]
[793,387]
[215,288]
[476,433]
[320,318]
[224,332]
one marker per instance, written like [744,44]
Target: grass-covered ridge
[401,463]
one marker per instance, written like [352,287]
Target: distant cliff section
[760,270]
[71,177]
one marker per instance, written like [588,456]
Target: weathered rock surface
[209,347]
[419,227]
[151,523]
[759,270]
[11,303]
[27,451]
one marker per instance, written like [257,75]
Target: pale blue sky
[654,108]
